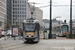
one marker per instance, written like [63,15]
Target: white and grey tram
[31,29]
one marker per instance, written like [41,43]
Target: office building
[21,10]
[3,16]
[9,13]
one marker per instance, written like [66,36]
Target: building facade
[3,16]
[21,10]
[37,13]
[54,23]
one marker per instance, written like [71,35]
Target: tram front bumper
[29,38]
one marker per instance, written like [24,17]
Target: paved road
[44,44]
[2,38]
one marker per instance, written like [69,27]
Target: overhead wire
[55,6]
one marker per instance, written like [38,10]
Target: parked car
[3,33]
[9,33]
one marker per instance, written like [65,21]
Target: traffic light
[64,21]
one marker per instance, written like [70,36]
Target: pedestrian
[45,31]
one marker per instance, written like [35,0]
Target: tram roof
[30,21]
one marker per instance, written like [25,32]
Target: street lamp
[50,27]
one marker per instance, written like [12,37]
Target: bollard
[5,36]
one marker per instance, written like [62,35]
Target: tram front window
[65,28]
[29,27]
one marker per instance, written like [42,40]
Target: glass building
[9,10]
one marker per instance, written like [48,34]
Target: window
[18,12]
[13,5]
[18,8]
[25,5]
[29,27]
[13,12]
[22,5]
[25,1]
[25,8]
[22,15]
[18,5]
[18,1]
[13,19]
[22,1]
[22,8]
[14,8]
[25,15]
[18,15]
[22,12]
[13,1]
[25,12]
[13,15]
[13,22]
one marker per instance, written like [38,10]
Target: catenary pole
[50,27]
[70,18]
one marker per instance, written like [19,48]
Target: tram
[31,29]
[61,30]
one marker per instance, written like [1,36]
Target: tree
[8,25]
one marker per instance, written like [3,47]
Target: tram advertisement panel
[15,31]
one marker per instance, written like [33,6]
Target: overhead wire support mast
[55,6]
[50,25]
[70,18]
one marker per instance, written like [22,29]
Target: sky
[57,11]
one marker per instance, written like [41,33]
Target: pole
[71,19]
[50,27]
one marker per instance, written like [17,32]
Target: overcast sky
[62,11]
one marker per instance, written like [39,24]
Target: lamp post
[50,27]
[5,32]
[71,19]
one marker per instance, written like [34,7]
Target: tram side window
[54,29]
[58,29]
